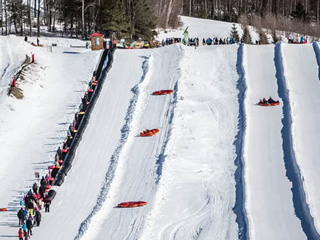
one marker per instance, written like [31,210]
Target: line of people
[37,199]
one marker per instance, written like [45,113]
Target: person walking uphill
[30,225]
[47,203]
[21,216]
[20,233]
[38,218]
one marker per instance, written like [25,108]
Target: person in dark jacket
[30,225]
[21,216]
[47,203]
[41,192]
[38,218]
[35,188]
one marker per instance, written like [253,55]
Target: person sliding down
[270,100]
[264,100]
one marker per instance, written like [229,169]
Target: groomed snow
[268,196]
[186,172]
[33,128]
[301,72]
[197,190]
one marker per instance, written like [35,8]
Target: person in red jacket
[20,233]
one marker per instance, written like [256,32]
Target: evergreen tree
[143,20]
[300,13]
[274,36]
[234,33]
[114,18]
[246,38]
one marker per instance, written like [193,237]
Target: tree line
[79,18]
[301,16]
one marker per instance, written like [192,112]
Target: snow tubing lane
[131,204]
[114,158]
[293,173]
[104,66]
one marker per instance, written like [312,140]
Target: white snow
[186,172]
[205,28]
[269,199]
[302,76]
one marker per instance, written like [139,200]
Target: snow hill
[221,166]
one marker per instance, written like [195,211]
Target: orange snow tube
[3,209]
[131,204]
[269,104]
[149,133]
[162,92]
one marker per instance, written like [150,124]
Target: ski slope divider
[125,131]
[317,53]
[239,208]
[169,113]
[293,172]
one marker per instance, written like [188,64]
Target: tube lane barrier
[88,103]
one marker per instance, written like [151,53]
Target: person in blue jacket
[302,39]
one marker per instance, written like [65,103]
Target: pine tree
[114,18]
[234,33]
[246,38]
[143,20]
[274,36]
[300,13]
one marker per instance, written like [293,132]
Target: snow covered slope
[190,173]
[197,190]
[33,128]
[269,199]
[302,77]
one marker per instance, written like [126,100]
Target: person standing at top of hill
[290,38]
[302,39]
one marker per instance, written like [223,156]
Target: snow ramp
[302,78]
[269,203]
[197,188]
[137,171]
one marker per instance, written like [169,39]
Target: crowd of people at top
[302,39]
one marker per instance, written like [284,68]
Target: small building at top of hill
[96,41]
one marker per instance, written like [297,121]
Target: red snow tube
[269,104]
[3,209]
[131,204]
[162,92]
[149,133]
